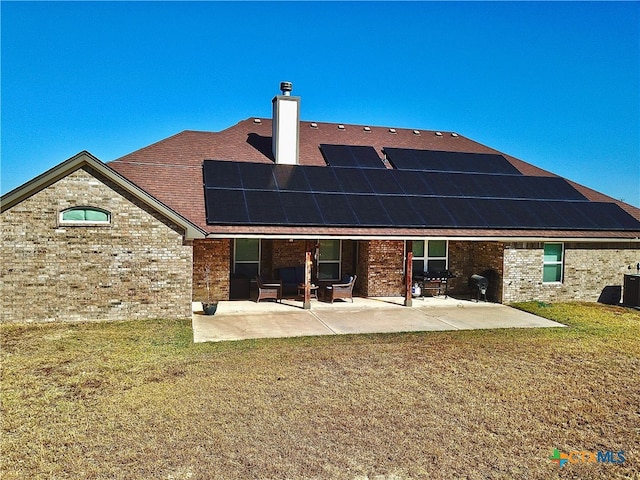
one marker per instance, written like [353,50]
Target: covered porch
[383,267]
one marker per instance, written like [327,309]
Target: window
[552,265]
[429,256]
[85,215]
[246,257]
[329,260]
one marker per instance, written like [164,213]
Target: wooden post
[307,278]
[408,268]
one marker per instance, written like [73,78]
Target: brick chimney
[286,126]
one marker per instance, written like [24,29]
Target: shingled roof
[172,171]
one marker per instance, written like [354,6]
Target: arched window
[85,215]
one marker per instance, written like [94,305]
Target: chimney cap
[286,87]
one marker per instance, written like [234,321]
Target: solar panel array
[438,161]
[269,194]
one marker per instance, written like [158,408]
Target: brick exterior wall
[216,254]
[137,267]
[476,258]
[380,268]
[588,269]
[283,254]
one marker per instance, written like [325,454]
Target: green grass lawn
[139,400]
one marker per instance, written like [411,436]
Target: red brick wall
[285,253]
[380,268]
[216,254]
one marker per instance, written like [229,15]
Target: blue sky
[555,84]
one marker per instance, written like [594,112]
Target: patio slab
[266,325]
[380,320]
[238,320]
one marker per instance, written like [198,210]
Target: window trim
[84,223]
[235,249]
[560,262]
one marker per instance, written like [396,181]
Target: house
[136,237]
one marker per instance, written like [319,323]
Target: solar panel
[226,206]
[301,208]
[369,211]
[410,183]
[534,214]
[353,180]
[573,216]
[291,178]
[464,212]
[382,181]
[552,188]
[322,179]
[609,216]
[493,214]
[269,194]
[441,184]
[221,174]
[401,211]
[438,161]
[335,209]
[257,176]
[433,212]
[351,156]
[265,207]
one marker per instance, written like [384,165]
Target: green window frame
[85,216]
[246,256]
[329,260]
[430,256]
[553,263]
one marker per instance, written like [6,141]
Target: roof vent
[286,88]
[367,129]
[257,120]
[438,134]
[454,134]
[340,127]
[313,125]
[392,130]
[416,132]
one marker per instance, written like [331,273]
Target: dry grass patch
[140,400]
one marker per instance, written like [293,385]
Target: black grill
[437,281]
[479,284]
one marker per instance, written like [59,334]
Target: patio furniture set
[273,289]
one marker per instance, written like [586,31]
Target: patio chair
[272,289]
[343,290]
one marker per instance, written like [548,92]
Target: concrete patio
[245,319]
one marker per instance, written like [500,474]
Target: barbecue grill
[436,281]
[479,284]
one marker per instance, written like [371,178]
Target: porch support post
[408,268]
[307,277]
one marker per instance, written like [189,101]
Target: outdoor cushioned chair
[272,289]
[343,290]
[291,277]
